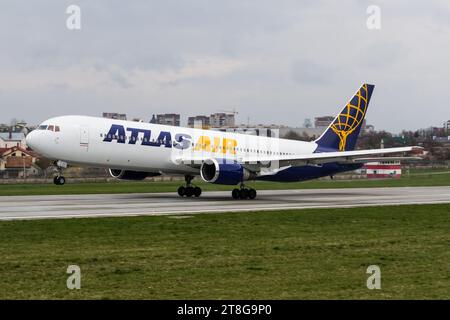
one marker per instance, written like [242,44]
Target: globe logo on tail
[351,117]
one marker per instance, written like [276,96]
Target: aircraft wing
[356,156]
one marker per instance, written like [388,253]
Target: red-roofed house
[16,162]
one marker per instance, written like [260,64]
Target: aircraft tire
[251,194]
[61,180]
[243,193]
[235,194]
[189,192]
[181,191]
[197,192]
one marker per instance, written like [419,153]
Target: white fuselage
[138,146]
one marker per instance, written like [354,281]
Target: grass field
[416,179]
[321,253]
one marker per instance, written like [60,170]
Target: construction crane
[234,112]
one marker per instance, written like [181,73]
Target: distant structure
[270,130]
[383,169]
[115,115]
[12,139]
[369,128]
[307,123]
[304,133]
[221,120]
[169,119]
[16,162]
[4,127]
[447,127]
[199,122]
[21,126]
[323,122]
[432,132]
[273,130]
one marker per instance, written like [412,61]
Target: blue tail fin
[344,130]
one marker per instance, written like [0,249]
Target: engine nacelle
[131,175]
[224,173]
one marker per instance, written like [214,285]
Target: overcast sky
[273,61]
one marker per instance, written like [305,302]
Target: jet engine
[229,173]
[131,175]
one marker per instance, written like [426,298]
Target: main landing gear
[59,179]
[243,193]
[189,190]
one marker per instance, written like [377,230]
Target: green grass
[320,253]
[139,187]
[421,171]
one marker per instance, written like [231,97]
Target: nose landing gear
[59,180]
[58,166]
[189,190]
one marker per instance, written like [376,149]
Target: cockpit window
[50,127]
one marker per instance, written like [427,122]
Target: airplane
[137,150]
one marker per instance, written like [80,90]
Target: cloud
[271,61]
[310,73]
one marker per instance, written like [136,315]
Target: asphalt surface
[70,206]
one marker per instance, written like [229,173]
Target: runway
[112,205]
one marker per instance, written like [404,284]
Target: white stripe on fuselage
[81,141]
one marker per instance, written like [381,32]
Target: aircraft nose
[31,139]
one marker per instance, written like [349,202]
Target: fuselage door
[84,137]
